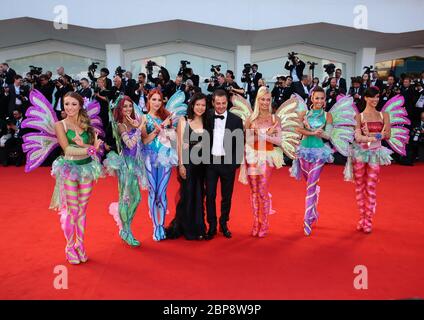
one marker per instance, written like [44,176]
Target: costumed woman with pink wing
[368,154]
[75,172]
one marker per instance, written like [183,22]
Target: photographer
[45,86]
[162,81]
[375,81]
[356,91]
[142,91]
[216,80]
[7,73]
[61,73]
[230,85]
[341,82]
[62,88]
[104,73]
[251,76]
[118,88]
[331,94]
[85,90]
[17,95]
[296,67]
[280,93]
[388,92]
[302,87]
[12,149]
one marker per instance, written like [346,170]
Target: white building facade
[351,34]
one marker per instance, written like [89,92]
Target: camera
[292,56]
[246,73]
[35,71]
[119,71]
[217,68]
[93,67]
[149,66]
[183,68]
[76,83]
[368,69]
[312,65]
[329,68]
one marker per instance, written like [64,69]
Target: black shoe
[225,231]
[211,233]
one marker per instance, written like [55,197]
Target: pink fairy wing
[93,110]
[41,117]
[398,118]
[37,146]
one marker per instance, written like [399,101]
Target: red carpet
[285,265]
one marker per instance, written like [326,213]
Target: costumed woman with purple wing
[76,171]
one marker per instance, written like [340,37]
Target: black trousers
[226,174]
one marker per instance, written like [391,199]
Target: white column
[243,55]
[114,57]
[364,57]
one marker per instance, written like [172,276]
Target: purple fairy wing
[398,118]
[93,110]
[41,117]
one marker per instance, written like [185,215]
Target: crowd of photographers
[14,93]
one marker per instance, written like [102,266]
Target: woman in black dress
[189,216]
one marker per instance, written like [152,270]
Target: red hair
[117,113]
[162,112]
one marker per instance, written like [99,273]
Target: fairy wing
[342,131]
[398,118]
[176,106]
[301,103]
[241,107]
[41,117]
[93,110]
[289,117]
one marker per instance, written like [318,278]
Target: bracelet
[379,136]
[91,151]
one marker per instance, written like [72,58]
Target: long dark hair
[371,92]
[190,110]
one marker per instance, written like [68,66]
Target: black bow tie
[219,117]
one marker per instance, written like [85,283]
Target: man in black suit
[7,73]
[410,96]
[331,94]
[302,87]
[85,90]
[45,86]
[375,81]
[62,88]
[356,91]
[141,91]
[340,82]
[252,83]
[296,69]
[226,148]
[130,84]
[18,95]
[389,91]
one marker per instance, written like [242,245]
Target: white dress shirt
[218,135]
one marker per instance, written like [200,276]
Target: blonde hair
[261,92]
